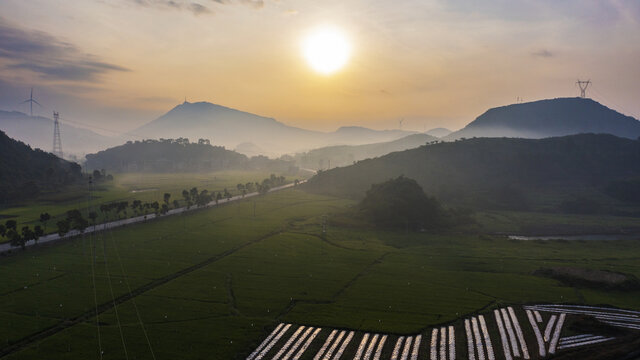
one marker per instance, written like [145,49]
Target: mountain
[506,173]
[37,131]
[227,127]
[356,135]
[169,155]
[438,132]
[234,128]
[342,155]
[546,118]
[25,172]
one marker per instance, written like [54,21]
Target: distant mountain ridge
[547,118]
[342,155]
[438,132]
[230,127]
[37,131]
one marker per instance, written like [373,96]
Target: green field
[147,187]
[213,283]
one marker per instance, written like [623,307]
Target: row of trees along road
[74,219]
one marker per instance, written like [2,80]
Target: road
[134,220]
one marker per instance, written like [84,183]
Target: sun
[326,49]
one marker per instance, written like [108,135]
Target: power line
[93,275]
[113,296]
[135,306]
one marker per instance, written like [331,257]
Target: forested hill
[25,172]
[499,172]
[169,155]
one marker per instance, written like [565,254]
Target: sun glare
[326,49]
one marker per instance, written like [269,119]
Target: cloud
[193,7]
[543,53]
[256,4]
[291,12]
[48,56]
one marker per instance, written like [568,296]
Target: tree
[227,194]
[296,182]
[11,224]
[104,209]
[218,197]
[165,209]
[76,221]
[14,238]
[3,230]
[187,198]
[97,175]
[27,234]
[44,218]
[38,233]
[264,187]
[63,227]
[241,189]
[137,206]
[155,205]
[166,198]
[401,203]
[122,207]
[203,198]
[176,204]
[194,194]
[249,187]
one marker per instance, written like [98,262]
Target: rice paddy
[217,283]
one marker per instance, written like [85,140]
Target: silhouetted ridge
[546,118]
[25,172]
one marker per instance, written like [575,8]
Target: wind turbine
[31,100]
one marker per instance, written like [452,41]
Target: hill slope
[37,131]
[342,155]
[497,172]
[546,118]
[229,127]
[24,172]
[178,155]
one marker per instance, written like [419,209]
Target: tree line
[75,220]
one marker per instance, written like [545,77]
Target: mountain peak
[550,117]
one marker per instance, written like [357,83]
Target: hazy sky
[116,64]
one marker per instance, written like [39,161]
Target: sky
[114,65]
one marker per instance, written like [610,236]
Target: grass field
[147,187]
[212,284]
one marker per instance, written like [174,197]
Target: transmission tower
[583,85]
[57,143]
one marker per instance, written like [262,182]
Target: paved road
[134,220]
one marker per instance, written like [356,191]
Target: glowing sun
[326,49]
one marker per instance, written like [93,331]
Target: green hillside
[563,173]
